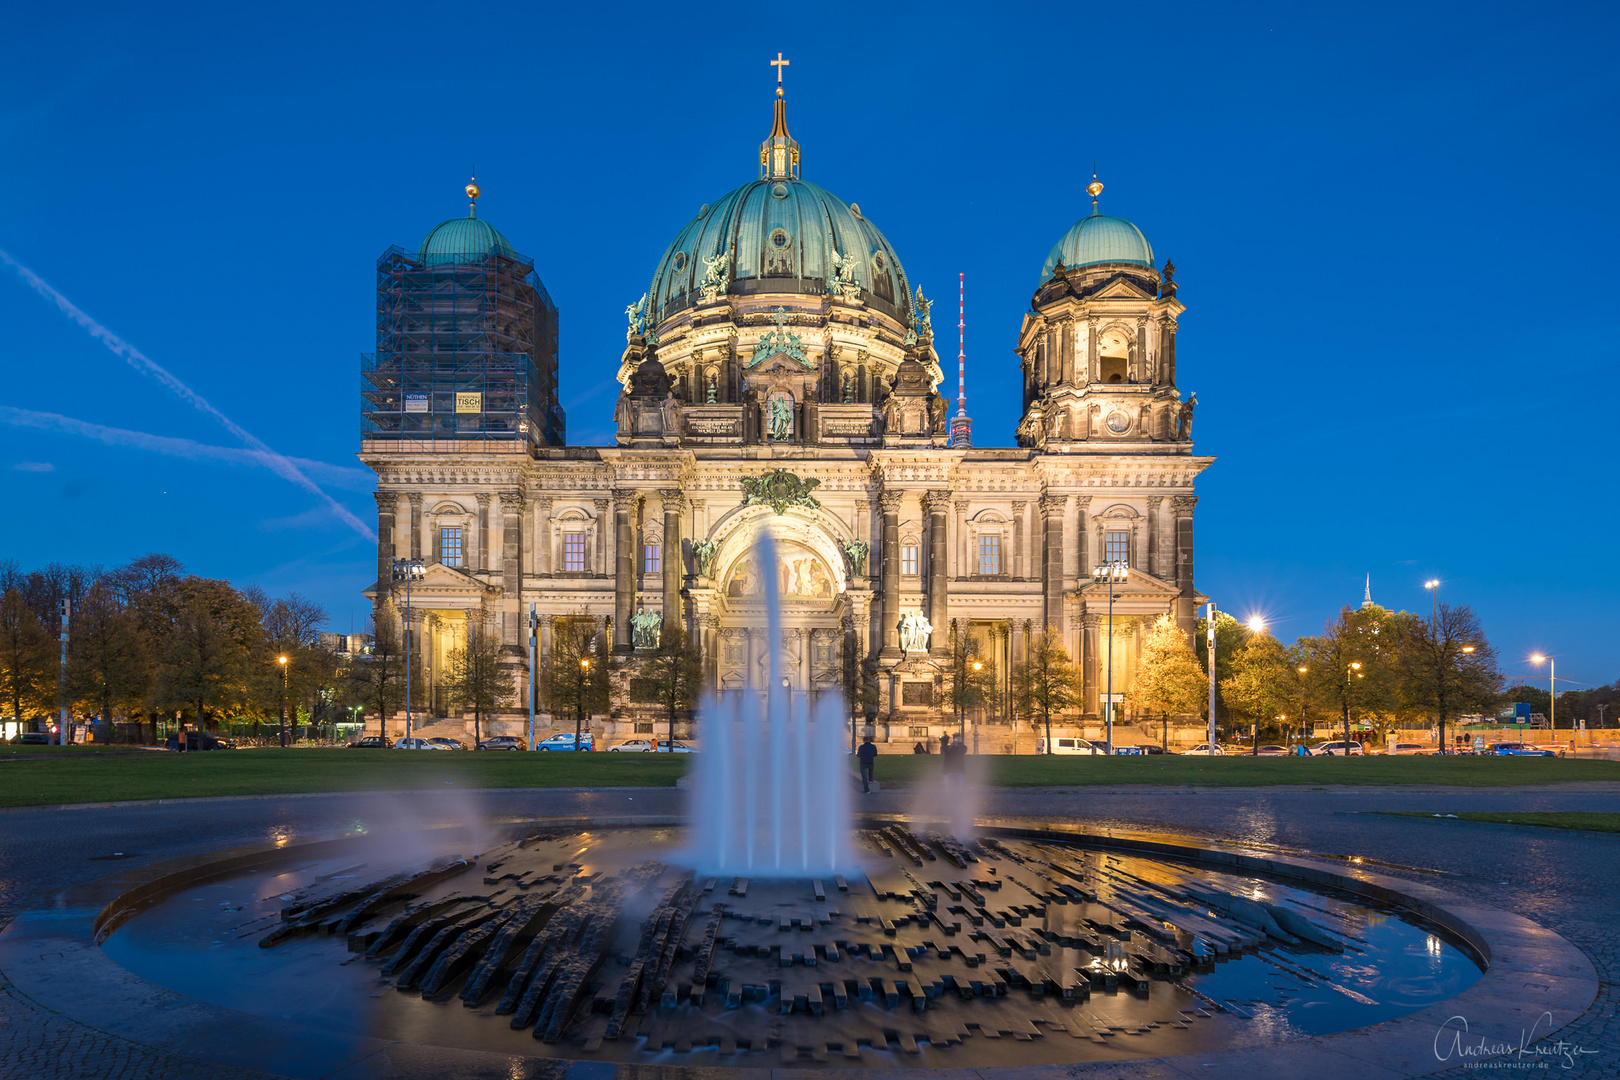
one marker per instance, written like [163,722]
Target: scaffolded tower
[466,348]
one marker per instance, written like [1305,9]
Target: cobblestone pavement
[1569,881]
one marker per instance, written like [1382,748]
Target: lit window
[652,558]
[909,557]
[574,552]
[990,554]
[1116,547]
[450,546]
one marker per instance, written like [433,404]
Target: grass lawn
[35,780]
[1591,820]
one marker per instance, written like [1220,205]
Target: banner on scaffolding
[469,403]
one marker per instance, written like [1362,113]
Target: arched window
[1113,357]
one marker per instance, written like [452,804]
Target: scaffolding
[466,356]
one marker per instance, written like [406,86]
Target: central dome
[782,235]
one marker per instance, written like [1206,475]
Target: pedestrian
[955,754]
[917,748]
[944,743]
[868,758]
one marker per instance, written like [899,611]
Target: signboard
[1521,712]
[416,402]
[469,403]
[1117,699]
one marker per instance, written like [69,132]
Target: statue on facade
[779,418]
[924,321]
[1184,418]
[704,551]
[857,551]
[644,626]
[621,413]
[914,631]
[714,387]
[843,281]
[849,390]
[715,276]
[937,409]
[636,314]
[670,412]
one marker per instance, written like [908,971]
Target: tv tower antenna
[962,426]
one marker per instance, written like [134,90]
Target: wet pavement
[1567,881]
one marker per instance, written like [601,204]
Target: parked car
[1072,746]
[1205,750]
[32,738]
[564,740]
[1340,749]
[1273,751]
[1412,748]
[501,742]
[448,743]
[676,747]
[1519,749]
[369,742]
[417,744]
[632,746]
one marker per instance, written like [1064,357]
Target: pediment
[781,363]
[1142,585]
[441,577]
[1122,288]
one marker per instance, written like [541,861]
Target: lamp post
[1257,625]
[408,571]
[1303,670]
[534,623]
[1552,690]
[282,660]
[978,666]
[1433,585]
[1111,574]
[579,715]
[1350,673]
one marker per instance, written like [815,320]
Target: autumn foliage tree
[1046,682]
[476,675]
[1169,680]
[1261,683]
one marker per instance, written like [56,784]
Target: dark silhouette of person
[868,758]
[955,765]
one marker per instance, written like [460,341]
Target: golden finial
[472,193]
[1094,189]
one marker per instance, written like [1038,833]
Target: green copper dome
[1096,240]
[782,235]
[454,240]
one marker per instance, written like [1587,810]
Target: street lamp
[1552,690]
[1353,671]
[978,666]
[408,571]
[1433,585]
[534,622]
[1302,669]
[579,716]
[1257,625]
[1111,574]
[283,661]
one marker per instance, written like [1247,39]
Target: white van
[1071,746]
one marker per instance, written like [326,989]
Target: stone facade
[814,411]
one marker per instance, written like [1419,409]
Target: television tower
[962,426]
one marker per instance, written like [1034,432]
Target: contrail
[354,479]
[142,363]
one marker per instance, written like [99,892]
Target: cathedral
[780,373]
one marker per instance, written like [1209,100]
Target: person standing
[868,758]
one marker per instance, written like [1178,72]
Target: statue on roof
[924,321]
[715,276]
[634,313]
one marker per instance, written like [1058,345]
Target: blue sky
[1391,224]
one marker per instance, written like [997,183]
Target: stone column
[938,503]
[1186,604]
[624,563]
[598,562]
[387,507]
[889,506]
[1090,629]
[511,564]
[415,499]
[709,644]
[480,555]
[1052,507]
[1092,374]
[1153,553]
[966,561]
[1016,569]
[1082,519]
[671,498]
[543,536]
[599,627]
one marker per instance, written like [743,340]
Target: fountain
[771,799]
[774,927]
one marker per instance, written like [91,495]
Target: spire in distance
[1366,595]
[962,425]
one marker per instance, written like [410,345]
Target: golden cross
[779,64]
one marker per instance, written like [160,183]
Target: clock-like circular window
[779,191]
[1118,423]
[680,260]
[879,263]
[779,239]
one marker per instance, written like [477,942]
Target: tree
[208,655]
[379,678]
[1448,667]
[577,679]
[1046,681]
[969,680]
[858,679]
[1262,682]
[671,675]
[1352,665]
[1168,676]
[475,675]
[25,655]
[149,590]
[107,662]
